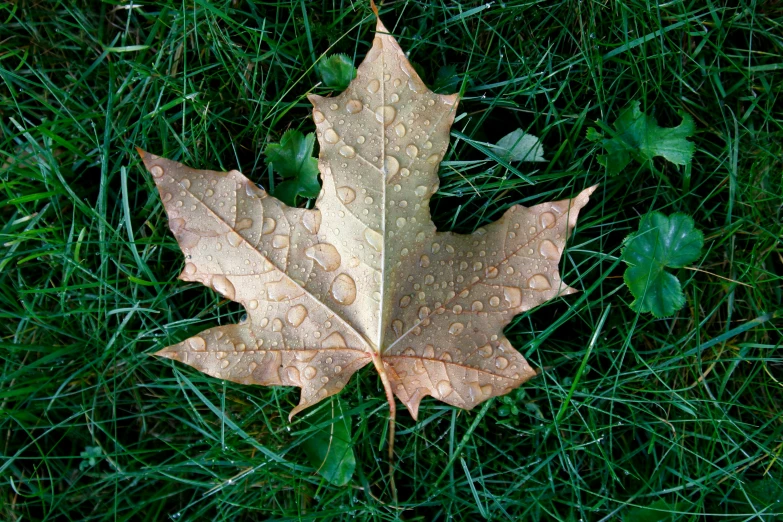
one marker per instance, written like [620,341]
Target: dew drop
[190,268]
[280,241]
[456,328]
[477,306]
[268,226]
[252,304]
[197,344]
[333,341]
[374,239]
[243,224]
[234,239]
[549,250]
[423,312]
[353,106]
[293,374]
[312,221]
[485,351]
[360,140]
[429,352]
[334,106]
[224,363]
[346,194]
[494,301]
[318,116]
[385,114]
[427,144]
[373,86]
[400,130]
[433,159]
[391,166]
[325,255]
[309,372]
[401,221]
[254,191]
[420,190]
[347,151]
[501,363]
[277,325]
[409,352]
[344,289]
[296,315]
[331,136]
[513,296]
[412,150]
[398,327]
[224,286]
[548,220]
[157,171]
[539,282]
[492,272]
[444,388]
[283,290]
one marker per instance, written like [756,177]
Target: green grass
[686,409]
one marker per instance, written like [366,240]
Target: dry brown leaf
[364,277]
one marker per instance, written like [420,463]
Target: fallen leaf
[364,277]
[639,137]
[660,242]
[519,146]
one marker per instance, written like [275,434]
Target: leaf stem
[376,359]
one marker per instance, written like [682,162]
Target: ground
[681,414]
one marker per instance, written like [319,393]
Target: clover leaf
[337,71]
[660,242]
[293,159]
[639,137]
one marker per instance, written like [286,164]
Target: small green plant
[336,72]
[637,136]
[660,242]
[91,455]
[293,159]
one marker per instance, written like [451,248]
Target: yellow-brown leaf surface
[364,277]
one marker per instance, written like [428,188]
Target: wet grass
[683,411]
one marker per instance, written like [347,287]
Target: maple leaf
[364,277]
